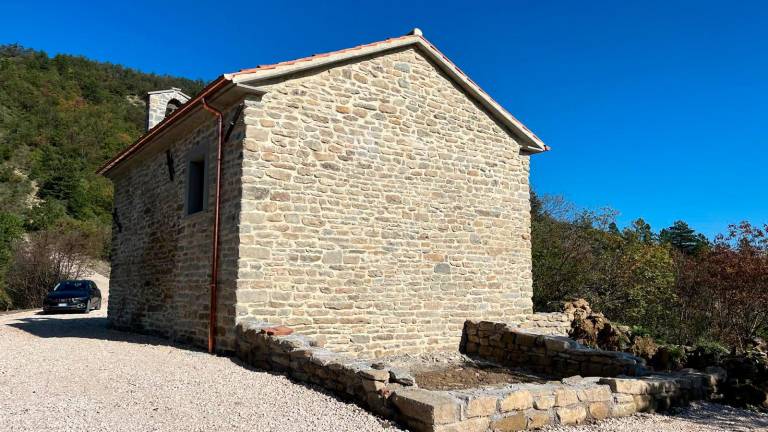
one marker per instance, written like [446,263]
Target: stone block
[371,386]
[557,344]
[599,410]
[623,409]
[543,401]
[517,400]
[401,376]
[426,406]
[565,397]
[626,385]
[570,415]
[334,257]
[597,393]
[375,374]
[524,339]
[479,424]
[481,406]
[644,403]
[538,418]
[513,422]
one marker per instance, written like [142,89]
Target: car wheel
[87,307]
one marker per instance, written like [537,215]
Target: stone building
[375,197]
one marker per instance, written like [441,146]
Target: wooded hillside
[60,118]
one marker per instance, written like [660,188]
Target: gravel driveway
[698,417]
[69,372]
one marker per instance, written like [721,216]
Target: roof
[249,78]
[170,90]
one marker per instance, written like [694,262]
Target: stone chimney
[161,103]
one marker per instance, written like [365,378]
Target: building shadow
[63,325]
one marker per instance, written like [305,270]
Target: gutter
[222,83]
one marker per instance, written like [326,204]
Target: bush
[46,257]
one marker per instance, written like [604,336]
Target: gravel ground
[698,417]
[70,373]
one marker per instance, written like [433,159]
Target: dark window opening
[172,106]
[196,186]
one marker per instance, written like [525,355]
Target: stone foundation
[393,394]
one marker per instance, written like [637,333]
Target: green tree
[60,118]
[684,238]
[627,274]
[11,229]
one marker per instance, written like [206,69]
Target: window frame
[197,155]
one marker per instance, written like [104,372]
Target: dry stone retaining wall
[547,323]
[393,394]
[554,355]
[299,357]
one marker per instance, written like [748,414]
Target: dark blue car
[73,295]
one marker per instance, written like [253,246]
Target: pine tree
[684,238]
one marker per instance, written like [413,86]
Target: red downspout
[216,216]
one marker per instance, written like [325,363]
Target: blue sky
[658,109]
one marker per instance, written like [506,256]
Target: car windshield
[79,286]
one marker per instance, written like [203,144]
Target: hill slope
[60,118]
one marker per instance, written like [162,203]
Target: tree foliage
[61,117]
[624,273]
[11,229]
[676,285]
[725,289]
[684,238]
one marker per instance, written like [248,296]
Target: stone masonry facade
[372,204]
[381,208]
[161,257]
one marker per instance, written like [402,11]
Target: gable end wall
[381,209]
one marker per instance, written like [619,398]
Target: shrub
[46,257]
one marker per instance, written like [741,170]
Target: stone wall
[393,394]
[381,208]
[553,355]
[299,357]
[572,401]
[161,257]
[546,323]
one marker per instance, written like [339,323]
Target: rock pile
[593,329]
